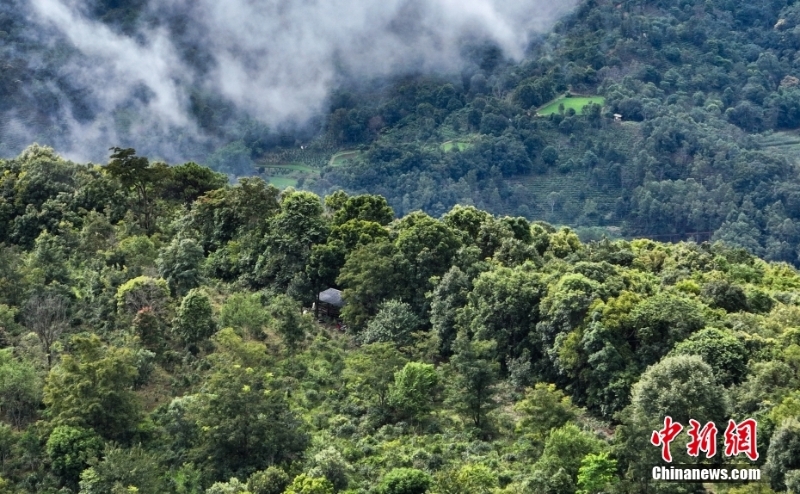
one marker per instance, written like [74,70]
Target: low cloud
[275,60]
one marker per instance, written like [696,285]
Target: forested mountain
[157,336]
[707,90]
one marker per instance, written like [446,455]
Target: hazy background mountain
[177,79]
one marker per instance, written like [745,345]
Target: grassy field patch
[343,157]
[460,145]
[575,102]
[296,167]
[283,182]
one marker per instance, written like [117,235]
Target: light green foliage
[472,478]
[141,292]
[180,264]
[598,473]
[394,322]
[20,389]
[273,480]
[195,321]
[303,484]
[573,102]
[233,486]
[92,388]
[245,313]
[557,469]
[683,387]
[138,252]
[370,370]
[330,465]
[405,481]
[543,409]
[413,392]
[70,450]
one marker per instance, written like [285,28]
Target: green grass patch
[460,145]
[575,102]
[296,167]
[283,182]
[343,157]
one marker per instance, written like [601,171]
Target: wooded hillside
[156,335]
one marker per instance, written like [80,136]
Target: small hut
[330,302]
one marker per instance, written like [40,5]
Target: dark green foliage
[195,321]
[726,354]
[91,388]
[179,264]
[70,450]
[784,454]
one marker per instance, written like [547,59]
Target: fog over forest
[91,76]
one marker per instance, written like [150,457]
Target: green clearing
[283,182]
[297,167]
[575,102]
[450,145]
[342,157]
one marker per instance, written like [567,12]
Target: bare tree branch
[46,315]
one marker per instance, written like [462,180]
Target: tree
[414,390]
[179,263]
[20,389]
[472,478]
[123,471]
[304,484]
[557,469]
[449,295]
[46,315]
[725,353]
[372,273]
[92,388]
[290,236]
[394,322]
[190,181]
[405,481]
[543,409]
[143,291]
[370,371]
[71,449]
[273,480]
[244,312]
[371,208]
[289,321]
[598,473]
[195,320]
[472,386]
[145,180]
[783,455]
[245,422]
[331,465]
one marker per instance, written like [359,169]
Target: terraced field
[785,143]
[575,102]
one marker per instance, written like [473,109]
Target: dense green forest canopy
[157,336]
[708,91]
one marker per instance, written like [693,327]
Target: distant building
[330,302]
[617,117]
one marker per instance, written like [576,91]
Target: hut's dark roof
[332,296]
